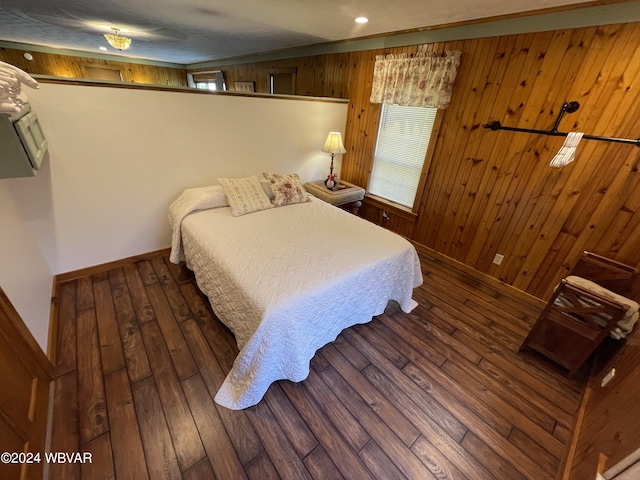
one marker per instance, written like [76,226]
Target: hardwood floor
[438,393]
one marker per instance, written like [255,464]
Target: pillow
[287,189]
[245,195]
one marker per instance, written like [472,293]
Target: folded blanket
[189,201]
[626,324]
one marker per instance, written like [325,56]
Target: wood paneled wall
[318,76]
[493,192]
[611,418]
[72,67]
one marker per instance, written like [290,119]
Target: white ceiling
[192,31]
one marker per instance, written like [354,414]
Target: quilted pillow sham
[287,189]
[245,195]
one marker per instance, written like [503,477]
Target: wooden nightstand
[346,194]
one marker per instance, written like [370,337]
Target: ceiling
[191,31]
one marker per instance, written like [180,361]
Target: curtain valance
[419,80]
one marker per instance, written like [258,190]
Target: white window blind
[401,147]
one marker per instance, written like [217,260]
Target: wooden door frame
[18,330]
[16,333]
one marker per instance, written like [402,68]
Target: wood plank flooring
[440,393]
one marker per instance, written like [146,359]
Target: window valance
[419,80]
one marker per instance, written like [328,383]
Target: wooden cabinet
[22,144]
[573,324]
[583,310]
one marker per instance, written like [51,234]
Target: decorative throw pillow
[245,195]
[287,189]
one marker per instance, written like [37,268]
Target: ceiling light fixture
[117,41]
[362,20]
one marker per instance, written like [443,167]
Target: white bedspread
[288,280]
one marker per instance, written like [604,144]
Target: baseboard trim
[104,267]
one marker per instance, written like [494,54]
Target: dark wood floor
[438,393]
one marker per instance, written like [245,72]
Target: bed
[287,280]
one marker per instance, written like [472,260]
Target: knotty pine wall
[491,192]
[319,76]
[611,418]
[71,67]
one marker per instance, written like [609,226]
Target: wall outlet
[498,259]
[608,377]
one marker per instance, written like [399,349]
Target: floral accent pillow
[287,189]
[245,195]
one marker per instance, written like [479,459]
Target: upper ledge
[164,88]
[112,57]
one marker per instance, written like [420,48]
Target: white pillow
[245,195]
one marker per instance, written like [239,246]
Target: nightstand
[345,194]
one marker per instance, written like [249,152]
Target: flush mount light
[104,49]
[116,40]
[362,20]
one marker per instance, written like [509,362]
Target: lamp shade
[334,144]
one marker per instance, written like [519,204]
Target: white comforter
[288,280]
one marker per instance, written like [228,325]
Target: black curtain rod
[569,107]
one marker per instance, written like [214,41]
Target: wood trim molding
[52,338]
[564,472]
[15,327]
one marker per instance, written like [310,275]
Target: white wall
[117,159]
[25,275]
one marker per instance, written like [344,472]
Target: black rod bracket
[569,107]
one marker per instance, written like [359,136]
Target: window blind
[401,147]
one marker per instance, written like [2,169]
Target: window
[283,83]
[206,85]
[401,148]
[211,80]
[102,72]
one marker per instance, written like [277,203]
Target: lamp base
[330,183]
